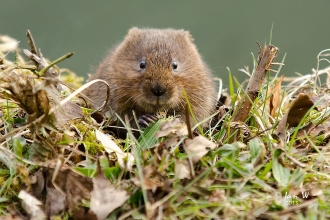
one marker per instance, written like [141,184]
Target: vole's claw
[145,120]
[143,124]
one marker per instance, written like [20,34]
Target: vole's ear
[187,35]
[134,31]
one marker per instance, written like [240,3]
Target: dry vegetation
[266,156]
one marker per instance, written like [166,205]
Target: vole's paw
[145,120]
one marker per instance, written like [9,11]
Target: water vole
[148,72]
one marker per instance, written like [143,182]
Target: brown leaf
[20,88]
[182,170]
[68,184]
[69,112]
[173,127]
[322,99]
[297,110]
[198,147]
[323,128]
[281,127]
[37,184]
[299,107]
[274,100]
[105,197]
[125,160]
[55,202]
[306,130]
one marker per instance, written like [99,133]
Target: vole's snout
[158,90]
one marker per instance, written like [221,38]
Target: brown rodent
[148,72]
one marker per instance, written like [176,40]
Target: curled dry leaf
[173,127]
[323,128]
[198,147]
[297,110]
[37,181]
[182,170]
[274,100]
[20,87]
[70,111]
[104,197]
[32,206]
[56,201]
[125,160]
[66,190]
[321,99]
[307,130]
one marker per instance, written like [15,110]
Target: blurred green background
[225,32]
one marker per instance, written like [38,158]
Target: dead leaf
[173,127]
[55,202]
[104,197]
[297,110]
[32,206]
[69,111]
[274,101]
[68,189]
[322,99]
[281,127]
[306,130]
[198,147]
[323,128]
[182,170]
[20,86]
[299,107]
[312,131]
[37,184]
[125,160]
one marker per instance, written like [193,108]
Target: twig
[265,61]
[33,47]
[42,72]
[243,108]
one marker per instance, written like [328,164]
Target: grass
[246,172]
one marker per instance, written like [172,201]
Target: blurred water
[225,31]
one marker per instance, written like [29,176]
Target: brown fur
[131,87]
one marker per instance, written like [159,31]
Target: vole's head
[157,65]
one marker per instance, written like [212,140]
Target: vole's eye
[174,65]
[143,64]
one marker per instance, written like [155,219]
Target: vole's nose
[158,90]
